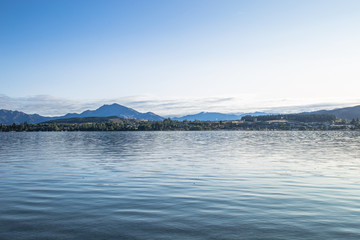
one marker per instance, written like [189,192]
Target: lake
[180,185]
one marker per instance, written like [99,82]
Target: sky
[175,57]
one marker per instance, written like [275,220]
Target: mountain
[114,110]
[208,116]
[8,117]
[215,116]
[347,113]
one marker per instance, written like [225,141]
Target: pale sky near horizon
[271,53]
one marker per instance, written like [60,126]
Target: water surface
[180,185]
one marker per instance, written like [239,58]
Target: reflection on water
[180,185]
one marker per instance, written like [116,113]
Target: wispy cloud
[53,106]
[44,105]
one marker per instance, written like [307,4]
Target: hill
[215,116]
[347,113]
[9,117]
[299,117]
[208,116]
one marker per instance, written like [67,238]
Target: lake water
[180,185]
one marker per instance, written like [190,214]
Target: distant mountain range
[115,110]
[215,116]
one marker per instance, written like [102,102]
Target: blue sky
[229,56]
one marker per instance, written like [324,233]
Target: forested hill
[10,117]
[348,113]
[302,117]
[216,116]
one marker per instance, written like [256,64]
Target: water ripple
[180,185]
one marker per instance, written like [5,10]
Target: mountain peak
[112,105]
[109,110]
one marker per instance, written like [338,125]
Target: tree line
[254,123]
